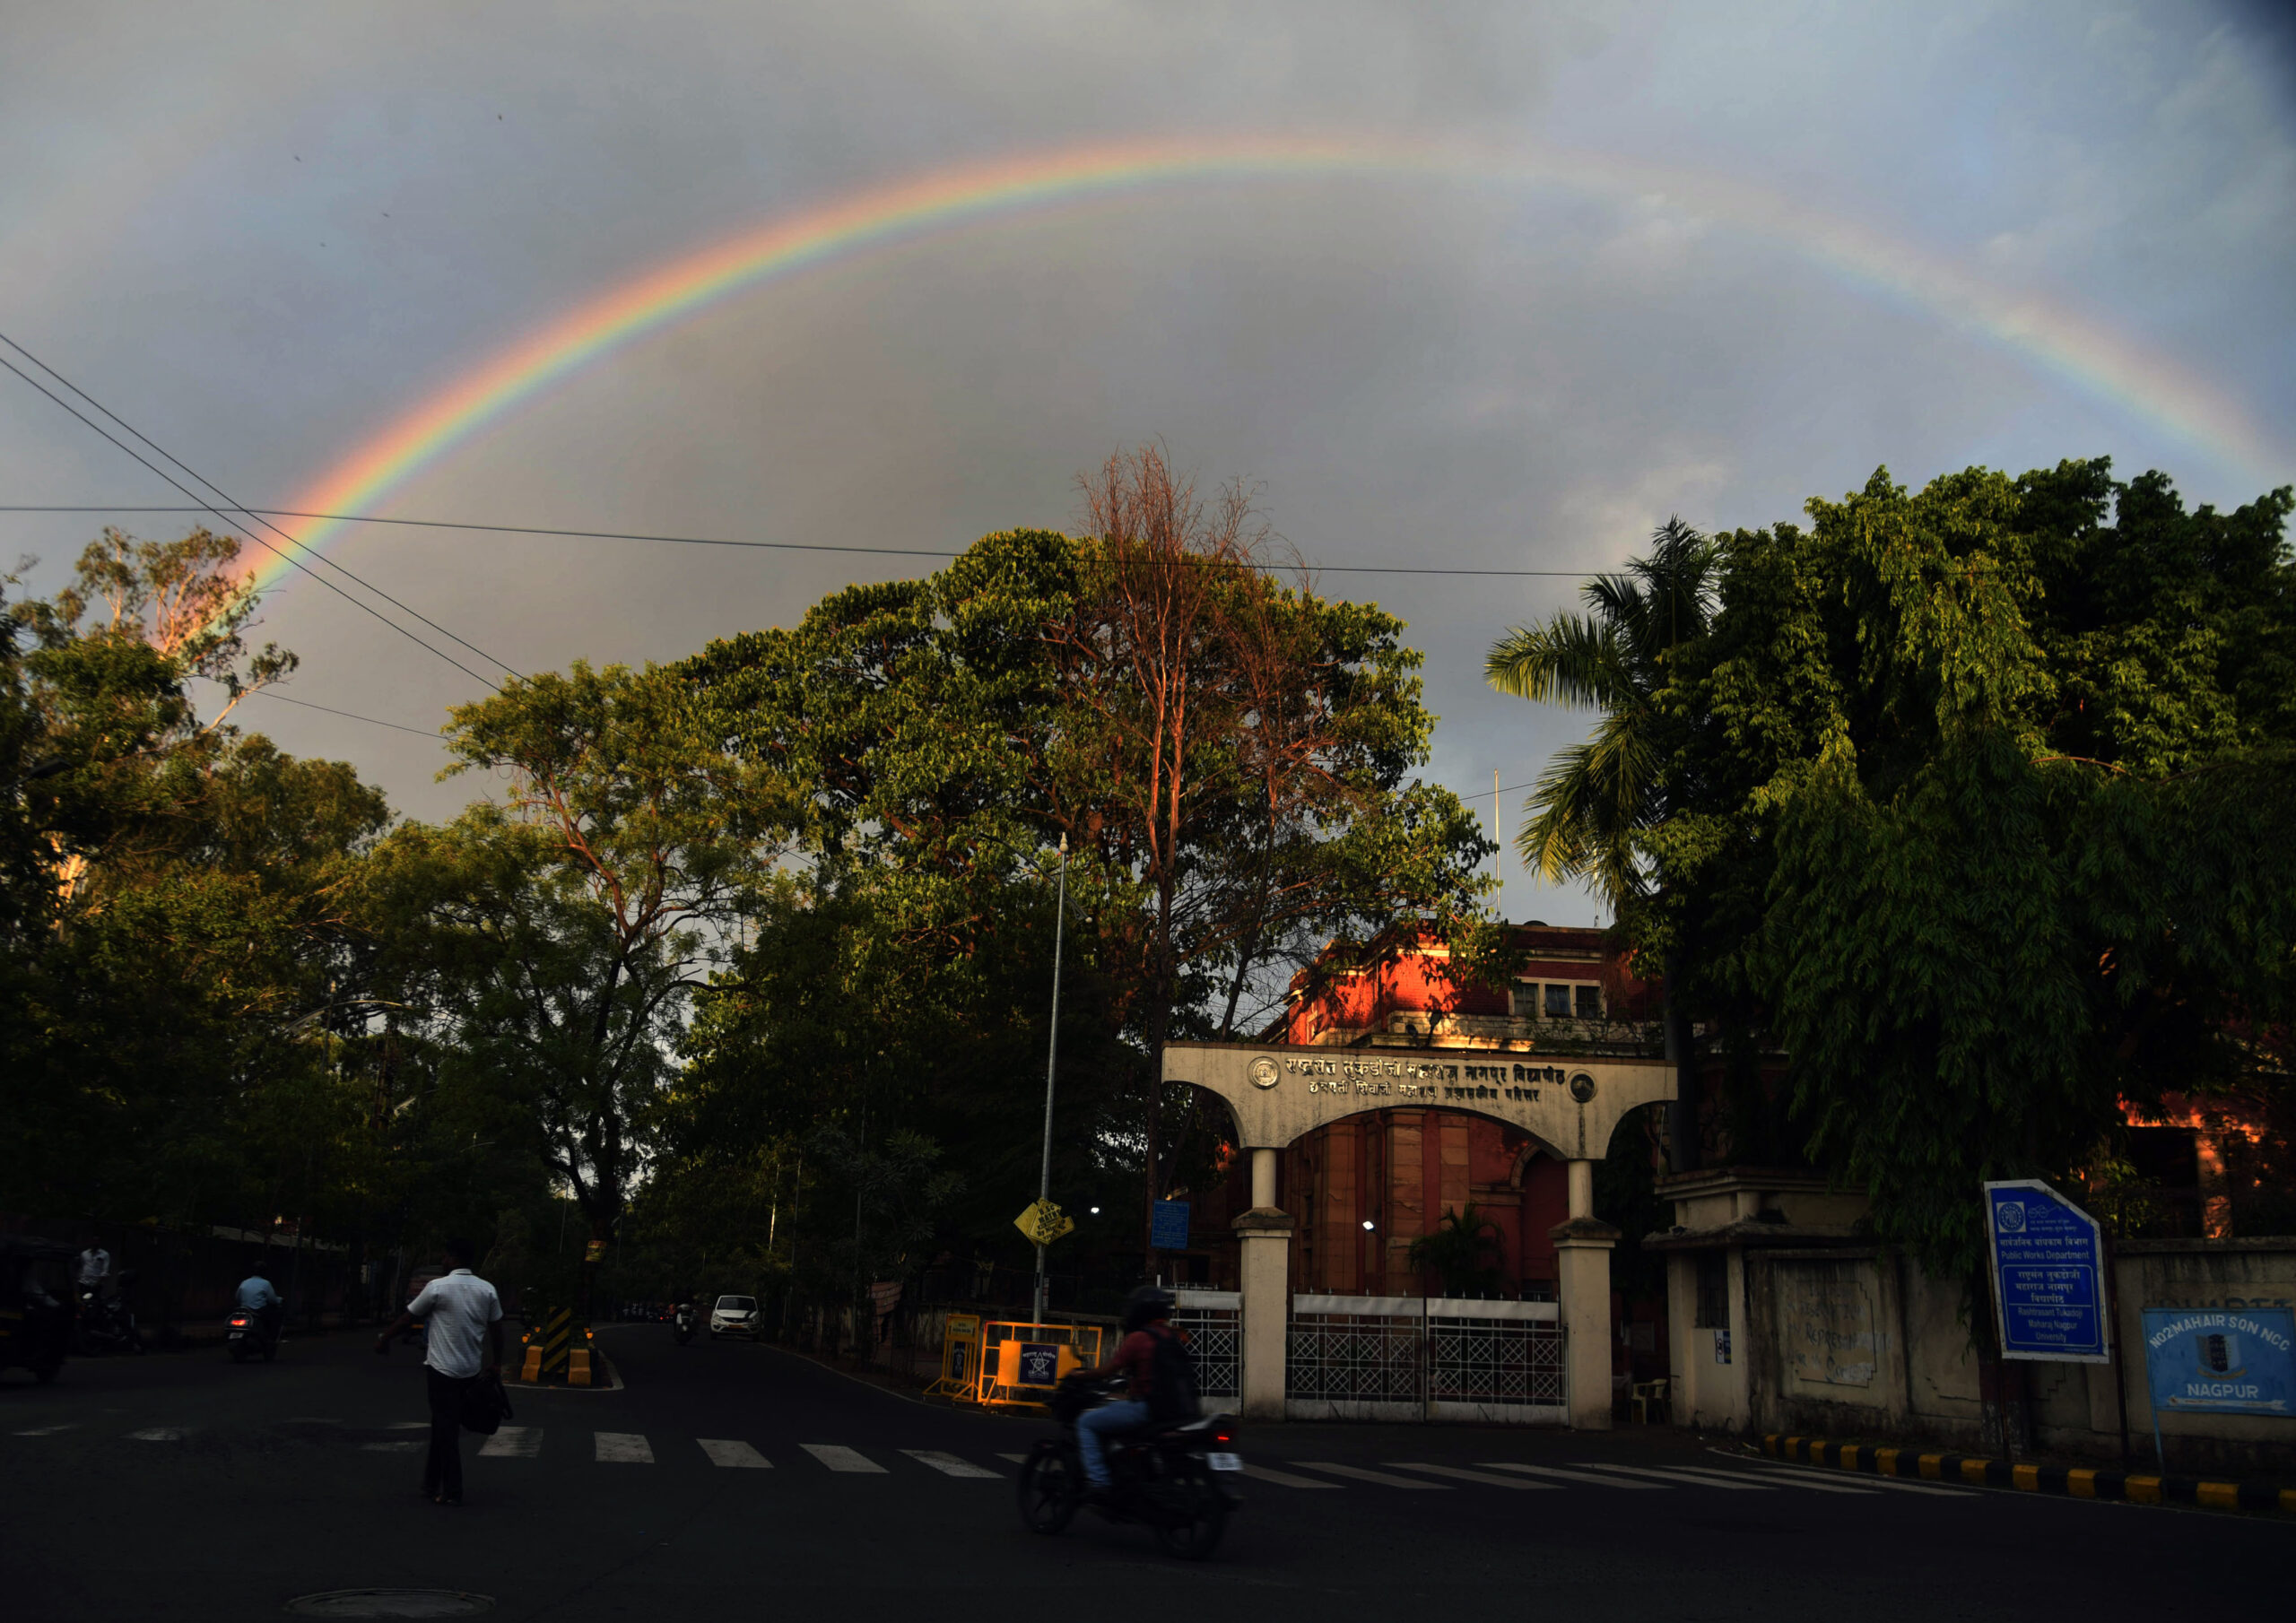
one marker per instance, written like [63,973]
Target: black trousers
[442,1472]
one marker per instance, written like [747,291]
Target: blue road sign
[1040,1363]
[2049,1274]
[1168,1230]
[2223,1360]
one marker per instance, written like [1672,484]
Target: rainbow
[2056,339]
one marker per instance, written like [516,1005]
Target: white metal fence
[1213,1321]
[1424,1358]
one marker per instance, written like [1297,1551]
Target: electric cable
[770,546]
[349,714]
[230,507]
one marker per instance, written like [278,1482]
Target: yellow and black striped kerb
[2077,1481]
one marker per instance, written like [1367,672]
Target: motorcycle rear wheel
[238,1352]
[1049,1491]
[1191,1523]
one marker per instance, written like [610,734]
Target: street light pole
[1051,1053]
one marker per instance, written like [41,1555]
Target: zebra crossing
[625,1448]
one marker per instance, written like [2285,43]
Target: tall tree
[1975,814]
[1230,763]
[577,921]
[1596,807]
[182,899]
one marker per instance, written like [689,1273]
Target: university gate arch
[1279,1093]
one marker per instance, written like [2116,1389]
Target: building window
[1558,1003]
[1526,1000]
[1590,1002]
[1712,1310]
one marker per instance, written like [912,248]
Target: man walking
[460,1313]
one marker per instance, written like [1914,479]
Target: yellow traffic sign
[1044,1223]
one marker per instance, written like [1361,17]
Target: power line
[713,540]
[350,714]
[230,507]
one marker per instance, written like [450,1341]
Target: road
[740,1478]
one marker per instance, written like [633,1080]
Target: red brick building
[1364,1189]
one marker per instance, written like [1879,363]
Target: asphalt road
[186,1487]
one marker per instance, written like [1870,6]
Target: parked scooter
[684,1324]
[253,1333]
[105,1323]
[1181,1479]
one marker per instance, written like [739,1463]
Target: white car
[735,1315]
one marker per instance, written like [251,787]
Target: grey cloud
[1416,371]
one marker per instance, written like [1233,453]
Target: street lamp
[1051,1053]
[1367,1225]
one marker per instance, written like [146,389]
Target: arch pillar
[1266,1281]
[1582,1259]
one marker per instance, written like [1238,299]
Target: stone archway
[1278,1093]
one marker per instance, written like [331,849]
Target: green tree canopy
[1977,810]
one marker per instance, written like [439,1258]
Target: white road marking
[515,1442]
[1382,1478]
[1484,1477]
[1284,1478]
[393,1447]
[1696,1478]
[158,1434]
[838,1457]
[1017,1459]
[1574,1476]
[625,1448]
[1733,1477]
[1798,1475]
[949,1465]
[731,1451]
[47,1431]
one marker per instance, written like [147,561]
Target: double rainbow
[2058,340]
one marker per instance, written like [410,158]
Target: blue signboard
[2049,1274]
[2223,1360]
[1040,1363]
[1168,1231]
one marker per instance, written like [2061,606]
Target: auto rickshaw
[35,1304]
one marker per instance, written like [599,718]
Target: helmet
[1145,1305]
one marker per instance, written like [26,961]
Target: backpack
[1171,1383]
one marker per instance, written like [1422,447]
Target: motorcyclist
[1147,1314]
[257,1297]
[93,1268]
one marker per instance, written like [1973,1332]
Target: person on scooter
[1147,1315]
[257,1297]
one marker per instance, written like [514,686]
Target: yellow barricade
[1019,1364]
[960,1357]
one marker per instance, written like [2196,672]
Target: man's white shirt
[455,1310]
[95,1262]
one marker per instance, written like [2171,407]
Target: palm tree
[1596,800]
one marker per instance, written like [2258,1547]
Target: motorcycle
[1182,1480]
[251,1333]
[105,1323]
[685,1326]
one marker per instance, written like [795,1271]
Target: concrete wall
[1856,1342]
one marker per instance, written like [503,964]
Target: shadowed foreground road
[737,1478]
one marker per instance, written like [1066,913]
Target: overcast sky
[261,233]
